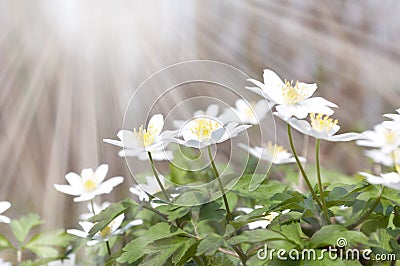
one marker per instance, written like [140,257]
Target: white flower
[5,263]
[381,137]
[143,140]
[245,112]
[383,157]
[272,153]
[97,209]
[292,99]
[395,124]
[157,154]
[69,261]
[201,132]
[391,180]
[112,229]
[264,221]
[89,184]
[322,127]
[211,111]
[4,205]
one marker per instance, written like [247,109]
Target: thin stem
[157,177]
[321,189]
[301,167]
[108,248]
[92,206]
[228,212]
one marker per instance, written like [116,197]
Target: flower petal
[157,123]
[101,172]
[85,197]
[107,186]
[4,205]
[4,219]
[300,125]
[116,223]
[68,189]
[77,233]
[212,111]
[345,137]
[74,179]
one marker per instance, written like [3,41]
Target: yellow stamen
[89,185]
[203,128]
[320,122]
[293,94]
[105,232]
[274,148]
[147,136]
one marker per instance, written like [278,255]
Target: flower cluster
[384,140]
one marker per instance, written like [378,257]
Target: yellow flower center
[105,232]
[320,122]
[203,128]
[274,148]
[390,137]
[89,185]
[147,136]
[249,111]
[293,94]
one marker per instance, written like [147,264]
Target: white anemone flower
[322,127]
[395,124]
[89,184]
[264,221]
[247,112]
[5,263]
[201,132]
[112,229]
[4,205]
[271,153]
[97,209]
[143,140]
[292,98]
[381,137]
[211,111]
[385,158]
[69,261]
[391,179]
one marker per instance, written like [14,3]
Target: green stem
[92,206]
[108,248]
[301,167]
[157,177]
[321,189]
[365,215]
[228,211]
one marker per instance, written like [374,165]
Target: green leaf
[209,245]
[257,180]
[256,236]
[136,249]
[174,212]
[4,243]
[211,212]
[376,221]
[330,235]
[47,244]
[105,217]
[22,226]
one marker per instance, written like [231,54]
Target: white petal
[372,178]
[116,223]
[345,137]
[4,219]
[85,197]
[76,232]
[69,189]
[4,205]
[217,134]
[101,172]
[157,123]
[300,125]
[107,186]
[87,173]
[93,243]
[132,153]
[212,111]
[391,125]
[245,210]
[319,101]
[258,91]
[309,89]
[128,139]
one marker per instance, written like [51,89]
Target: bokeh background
[68,69]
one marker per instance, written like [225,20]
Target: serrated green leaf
[330,235]
[46,244]
[105,217]
[4,243]
[136,249]
[22,226]
[211,212]
[209,245]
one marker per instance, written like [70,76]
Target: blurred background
[69,67]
